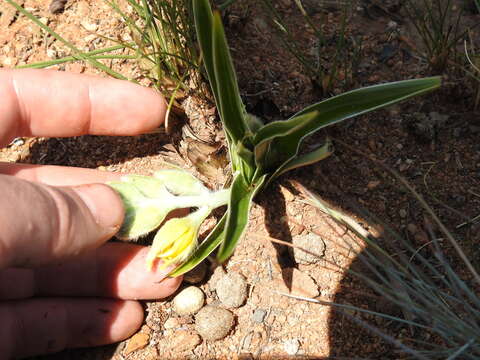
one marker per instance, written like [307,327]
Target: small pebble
[403,213]
[311,242]
[232,290]
[171,323]
[137,342]
[197,274]
[184,340]
[213,323]
[188,301]
[259,315]
[291,346]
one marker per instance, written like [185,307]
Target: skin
[61,284]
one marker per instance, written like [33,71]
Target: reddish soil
[441,158]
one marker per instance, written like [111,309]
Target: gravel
[311,242]
[188,301]
[259,315]
[232,290]
[213,323]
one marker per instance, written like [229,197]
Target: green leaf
[321,153]
[212,241]
[229,102]
[363,100]
[241,196]
[282,127]
[204,24]
[263,138]
[345,106]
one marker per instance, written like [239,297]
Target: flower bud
[176,239]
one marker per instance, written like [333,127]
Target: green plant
[329,65]
[260,153]
[438,25]
[164,41]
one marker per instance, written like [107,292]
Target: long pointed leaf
[212,241]
[319,154]
[282,127]
[263,138]
[241,196]
[204,25]
[230,104]
[348,105]
[363,100]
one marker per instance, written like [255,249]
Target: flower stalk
[148,201]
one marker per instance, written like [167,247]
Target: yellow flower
[176,239]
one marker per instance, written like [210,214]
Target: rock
[259,315]
[291,346]
[188,301]
[57,6]
[311,242]
[137,342]
[184,340]
[403,213]
[197,274]
[232,290]
[89,26]
[171,323]
[213,323]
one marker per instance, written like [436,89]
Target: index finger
[57,104]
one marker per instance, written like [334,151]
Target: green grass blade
[230,104]
[68,44]
[212,241]
[46,64]
[241,196]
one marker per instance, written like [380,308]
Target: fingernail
[104,204]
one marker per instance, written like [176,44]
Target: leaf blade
[230,104]
[312,157]
[241,196]
[348,105]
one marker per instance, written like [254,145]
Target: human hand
[61,286]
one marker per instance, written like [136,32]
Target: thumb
[42,224]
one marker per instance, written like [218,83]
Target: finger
[42,326]
[57,104]
[57,175]
[42,224]
[114,270]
